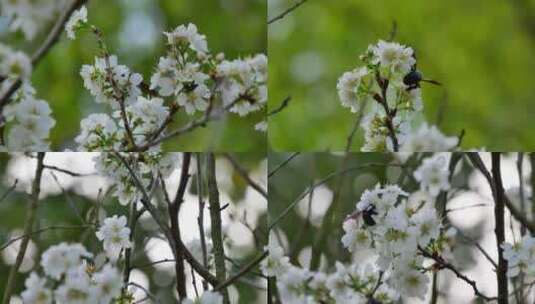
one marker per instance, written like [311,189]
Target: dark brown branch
[65,171]
[199,268]
[499,230]
[476,161]
[173,209]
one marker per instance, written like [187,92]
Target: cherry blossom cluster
[355,283]
[387,91]
[71,274]
[395,228]
[189,77]
[520,257]
[208,297]
[26,119]
[147,165]
[29,16]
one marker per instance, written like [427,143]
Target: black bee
[367,215]
[414,77]
[373,301]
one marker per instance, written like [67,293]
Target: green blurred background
[133,30]
[481,50]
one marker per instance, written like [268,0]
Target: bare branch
[499,208]
[243,173]
[243,271]
[517,214]
[286,12]
[215,217]
[284,163]
[445,265]
[281,107]
[45,229]
[32,211]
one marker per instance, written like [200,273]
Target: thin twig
[243,271]
[321,182]
[445,265]
[66,171]
[281,107]
[243,173]
[287,11]
[9,190]
[284,163]
[39,231]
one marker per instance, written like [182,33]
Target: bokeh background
[470,203]
[133,30]
[481,50]
[69,201]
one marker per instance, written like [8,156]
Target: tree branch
[445,265]
[199,268]
[200,218]
[476,161]
[281,107]
[286,12]
[499,208]
[243,271]
[174,208]
[243,173]
[215,217]
[32,211]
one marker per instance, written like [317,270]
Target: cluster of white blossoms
[29,16]
[71,277]
[189,77]
[520,257]
[148,165]
[30,122]
[355,283]
[387,89]
[208,297]
[395,229]
[428,138]
[115,236]
[433,174]
[28,119]
[77,20]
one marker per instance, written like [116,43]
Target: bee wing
[432,81]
